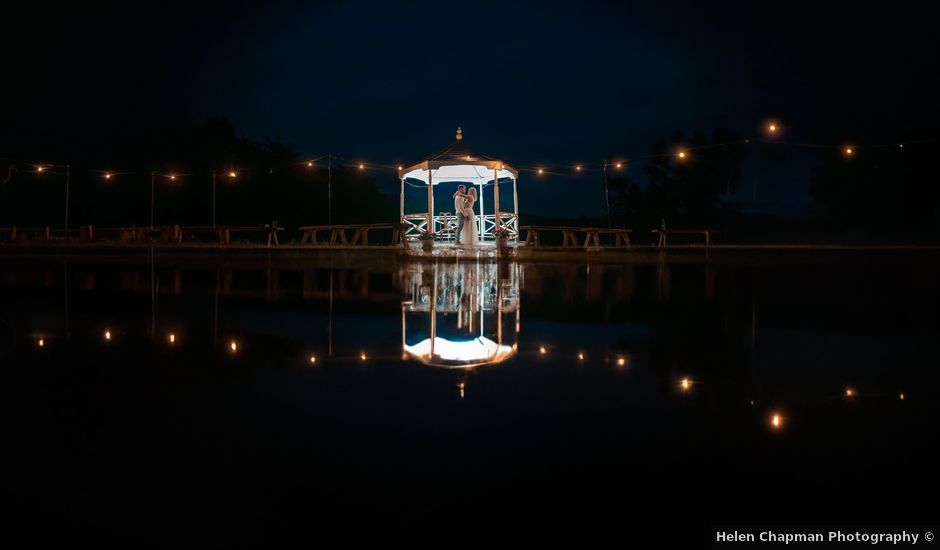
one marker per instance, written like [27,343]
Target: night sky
[532,83]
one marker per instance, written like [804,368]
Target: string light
[618,165]
[233,346]
[541,171]
[772,128]
[580,356]
[850,392]
[107,335]
[577,168]
[42,343]
[107,175]
[849,151]
[232,174]
[901,396]
[685,384]
[681,154]
[39,168]
[313,359]
[173,176]
[461,386]
[542,350]
[171,338]
[621,361]
[362,356]
[309,164]
[362,166]
[776,421]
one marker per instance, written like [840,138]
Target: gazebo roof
[458,162]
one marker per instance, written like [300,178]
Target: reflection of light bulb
[461,386]
[362,356]
[42,343]
[849,392]
[233,346]
[901,396]
[171,338]
[313,359]
[107,335]
[685,384]
[621,361]
[581,356]
[542,350]
[776,421]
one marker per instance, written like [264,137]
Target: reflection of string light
[171,338]
[621,361]
[41,343]
[233,346]
[173,176]
[107,176]
[901,396]
[232,174]
[580,356]
[107,335]
[362,166]
[618,165]
[681,154]
[362,356]
[309,164]
[541,171]
[577,168]
[776,421]
[850,392]
[542,350]
[685,384]
[313,359]
[772,128]
[849,151]
[461,386]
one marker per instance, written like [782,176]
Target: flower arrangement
[428,236]
[501,233]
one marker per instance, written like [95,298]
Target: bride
[468,236]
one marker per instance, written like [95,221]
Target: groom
[459,204]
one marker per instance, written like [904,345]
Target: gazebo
[459,163]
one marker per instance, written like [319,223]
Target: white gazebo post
[482,224]
[496,199]
[430,226]
[515,206]
[401,200]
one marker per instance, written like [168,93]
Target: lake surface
[178,400]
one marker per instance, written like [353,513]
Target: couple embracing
[466,223]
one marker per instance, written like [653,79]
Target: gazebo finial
[459,134]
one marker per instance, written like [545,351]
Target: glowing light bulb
[399,168]
[362,356]
[618,165]
[461,386]
[232,174]
[901,396]
[542,350]
[621,361]
[580,356]
[776,421]
[901,146]
[107,176]
[772,127]
[41,343]
[850,392]
[541,171]
[681,154]
[233,346]
[171,338]
[578,168]
[309,164]
[362,166]
[39,168]
[849,151]
[107,335]
[685,384]
[172,176]
[313,359]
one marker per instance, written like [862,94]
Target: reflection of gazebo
[460,315]
[458,163]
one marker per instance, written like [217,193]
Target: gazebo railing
[445,224]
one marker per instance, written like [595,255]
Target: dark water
[584,400]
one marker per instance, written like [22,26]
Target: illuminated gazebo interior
[455,164]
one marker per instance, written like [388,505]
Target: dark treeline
[875,191]
[273,182]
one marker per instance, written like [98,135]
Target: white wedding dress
[468,236]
